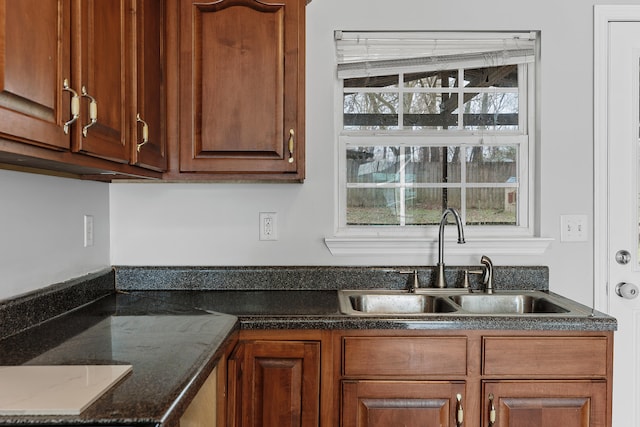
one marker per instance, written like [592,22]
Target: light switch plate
[573,228]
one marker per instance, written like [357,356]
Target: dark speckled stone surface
[27,310]
[172,348]
[313,278]
[320,310]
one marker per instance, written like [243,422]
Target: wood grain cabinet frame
[497,378]
[241,93]
[67,81]
[274,380]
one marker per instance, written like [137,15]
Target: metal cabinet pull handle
[492,411]
[75,106]
[459,410]
[93,111]
[145,132]
[291,142]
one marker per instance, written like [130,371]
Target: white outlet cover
[88,230]
[268,226]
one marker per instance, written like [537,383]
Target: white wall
[217,224]
[41,230]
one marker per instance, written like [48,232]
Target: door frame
[603,15]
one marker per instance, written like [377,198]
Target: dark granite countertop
[319,309]
[155,311]
[172,349]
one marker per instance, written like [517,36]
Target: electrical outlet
[573,228]
[268,226]
[88,230]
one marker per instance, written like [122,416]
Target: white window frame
[495,239]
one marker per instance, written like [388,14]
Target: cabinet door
[34,61]
[281,384]
[401,403]
[242,92]
[148,147]
[100,61]
[545,403]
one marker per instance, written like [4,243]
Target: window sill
[363,246]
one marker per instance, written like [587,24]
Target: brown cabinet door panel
[101,54]
[281,384]
[546,403]
[545,356]
[240,87]
[149,94]
[34,61]
[404,356]
[400,403]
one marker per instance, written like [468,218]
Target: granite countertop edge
[191,295]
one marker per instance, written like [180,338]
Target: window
[435,120]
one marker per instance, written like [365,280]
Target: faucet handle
[413,282]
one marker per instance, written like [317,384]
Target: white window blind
[362,54]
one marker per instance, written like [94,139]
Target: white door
[619,248]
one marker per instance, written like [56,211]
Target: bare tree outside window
[411,185]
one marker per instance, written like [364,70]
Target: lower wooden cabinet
[474,378]
[274,383]
[388,378]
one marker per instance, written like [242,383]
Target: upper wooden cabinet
[242,89]
[203,91]
[101,59]
[148,113]
[74,74]
[34,61]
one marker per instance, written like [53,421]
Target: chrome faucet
[441,281]
[487,277]
[486,272]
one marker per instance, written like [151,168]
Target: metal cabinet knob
[627,290]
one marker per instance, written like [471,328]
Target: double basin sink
[455,302]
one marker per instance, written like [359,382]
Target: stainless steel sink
[507,304]
[429,301]
[389,302]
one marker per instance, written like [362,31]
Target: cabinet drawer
[545,356]
[403,356]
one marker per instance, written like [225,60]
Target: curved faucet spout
[440,279]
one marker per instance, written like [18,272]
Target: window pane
[503,76]
[386,206]
[408,164]
[491,206]
[435,164]
[373,164]
[373,81]
[497,164]
[425,205]
[370,110]
[431,79]
[373,206]
[430,110]
[495,110]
